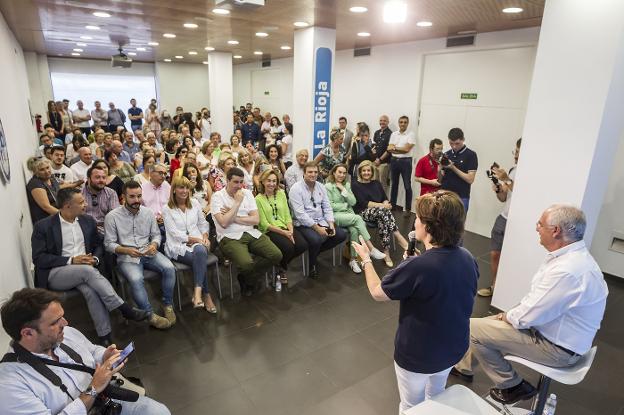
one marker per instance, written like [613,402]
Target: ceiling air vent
[460,41]
[361,52]
[266,63]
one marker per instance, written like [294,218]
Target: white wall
[38,82]
[21,140]
[184,84]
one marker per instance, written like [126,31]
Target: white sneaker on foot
[377,254]
[354,266]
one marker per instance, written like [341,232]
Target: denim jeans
[199,259]
[401,167]
[144,406]
[134,274]
[466,202]
[318,243]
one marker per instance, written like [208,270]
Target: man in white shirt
[235,214]
[555,323]
[63,174]
[82,118]
[81,166]
[294,173]
[400,146]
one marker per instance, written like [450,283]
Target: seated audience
[555,322]
[176,161]
[148,161]
[294,173]
[235,145]
[99,199]
[189,158]
[342,201]
[81,166]
[200,189]
[77,142]
[117,148]
[112,181]
[313,215]
[217,177]
[260,167]
[120,168]
[436,291]
[129,146]
[235,214]
[205,159]
[374,207]
[274,157]
[156,194]
[276,222]
[247,165]
[41,190]
[131,232]
[63,174]
[187,239]
[333,153]
[62,251]
[286,145]
[33,318]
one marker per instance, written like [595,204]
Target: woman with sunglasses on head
[187,239]
[180,153]
[276,222]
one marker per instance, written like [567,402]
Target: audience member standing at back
[136,116]
[116,117]
[459,174]
[381,139]
[400,146]
[428,168]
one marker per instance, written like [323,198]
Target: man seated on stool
[131,232]
[34,319]
[555,323]
[62,251]
[235,214]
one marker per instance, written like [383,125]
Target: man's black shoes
[524,390]
[313,273]
[462,376]
[246,290]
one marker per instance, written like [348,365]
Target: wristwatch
[90,391]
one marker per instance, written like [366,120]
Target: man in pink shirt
[156,195]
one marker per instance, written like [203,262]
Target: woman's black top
[36,212]
[117,185]
[55,120]
[367,192]
[359,153]
[436,291]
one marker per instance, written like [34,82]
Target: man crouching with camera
[52,368]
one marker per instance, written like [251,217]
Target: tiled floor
[319,347]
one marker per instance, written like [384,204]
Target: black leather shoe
[462,376]
[245,289]
[138,314]
[313,274]
[523,391]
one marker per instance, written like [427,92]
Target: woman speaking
[436,290]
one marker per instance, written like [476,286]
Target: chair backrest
[570,375]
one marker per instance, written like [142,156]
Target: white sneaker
[377,254]
[354,266]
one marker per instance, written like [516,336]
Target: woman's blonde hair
[226,155]
[330,177]
[179,181]
[265,175]
[34,163]
[335,133]
[242,152]
[366,163]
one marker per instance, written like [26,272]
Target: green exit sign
[468,95]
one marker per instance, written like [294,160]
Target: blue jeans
[401,167]
[144,406]
[318,243]
[134,274]
[466,202]
[199,259]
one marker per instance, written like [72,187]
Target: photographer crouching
[52,368]
[436,290]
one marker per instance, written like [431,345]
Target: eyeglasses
[162,173]
[540,225]
[94,201]
[313,201]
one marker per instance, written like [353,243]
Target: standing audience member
[81,118]
[81,166]
[460,168]
[132,234]
[33,318]
[436,293]
[286,145]
[276,222]
[63,247]
[116,118]
[99,116]
[187,239]
[313,215]
[55,119]
[152,120]
[555,322]
[41,190]
[360,150]
[136,116]
[235,215]
[346,133]
[251,130]
[428,167]
[381,140]
[400,146]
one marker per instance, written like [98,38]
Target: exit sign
[468,95]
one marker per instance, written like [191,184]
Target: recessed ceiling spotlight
[91,27]
[358,9]
[75,54]
[363,34]
[141,49]
[285,47]
[81,44]
[169,35]
[192,52]
[237,56]
[209,48]
[153,43]
[222,12]
[395,11]
[167,60]
[232,42]
[190,25]
[466,32]
[513,10]
[258,52]
[132,53]
[262,34]
[205,62]
[301,24]
[424,24]
[179,57]
[101,14]
[86,37]
[78,50]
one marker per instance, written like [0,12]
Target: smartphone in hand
[125,353]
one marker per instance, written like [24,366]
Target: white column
[573,124]
[221,93]
[313,66]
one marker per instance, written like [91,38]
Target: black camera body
[106,406]
[445,161]
[492,177]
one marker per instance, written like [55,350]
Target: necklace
[273,206]
[185,219]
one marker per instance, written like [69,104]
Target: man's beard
[135,206]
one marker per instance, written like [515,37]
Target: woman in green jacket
[276,222]
[342,201]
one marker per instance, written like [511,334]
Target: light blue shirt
[122,227]
[310,207]
[24,391]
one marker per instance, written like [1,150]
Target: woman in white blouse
[187,239]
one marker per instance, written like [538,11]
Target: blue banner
[322,98]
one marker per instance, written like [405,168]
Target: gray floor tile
[229,402]
[379,391]
[346,402]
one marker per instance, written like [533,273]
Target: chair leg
[542,395]
[334,256]
[218,280]
[303,265]
[179,295]
[231,283]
